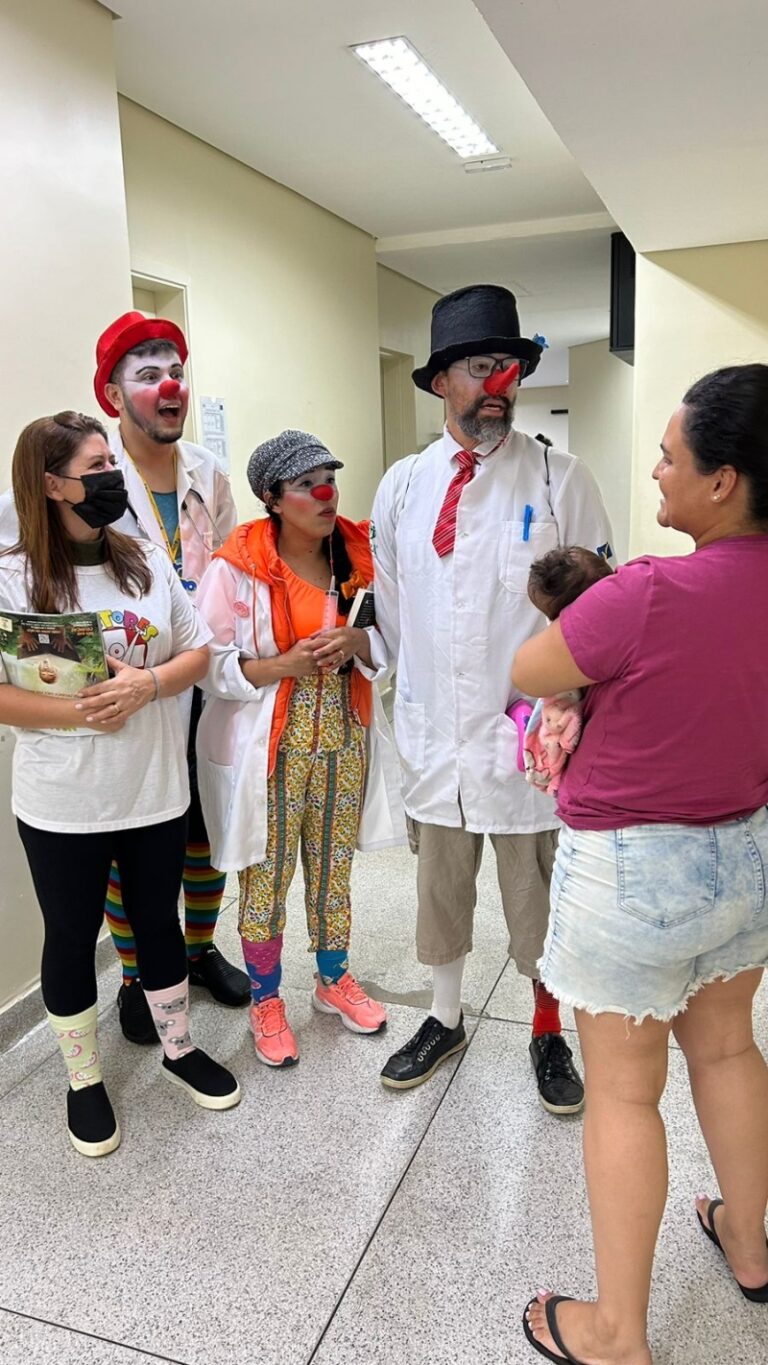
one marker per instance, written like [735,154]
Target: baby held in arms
[553,731]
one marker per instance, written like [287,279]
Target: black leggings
[70,874]
[196,831]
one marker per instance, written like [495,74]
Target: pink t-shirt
[676,728]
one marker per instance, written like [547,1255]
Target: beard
[162,435]
[486,428]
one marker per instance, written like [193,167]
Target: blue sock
[331,966]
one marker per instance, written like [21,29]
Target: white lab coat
[236,724]
[206,508]
[452,626]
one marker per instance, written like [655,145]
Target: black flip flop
[549,1308]
[754,1295]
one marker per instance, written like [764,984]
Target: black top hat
[475,321]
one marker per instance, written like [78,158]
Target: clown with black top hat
[455,530]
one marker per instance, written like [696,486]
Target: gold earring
[715,497]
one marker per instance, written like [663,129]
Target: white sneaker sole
[561,1108]
[278,1066]
[104,1148]
[205,1101]
[323,1008]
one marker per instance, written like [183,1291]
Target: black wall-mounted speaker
[622,342]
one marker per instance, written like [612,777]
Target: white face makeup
[300,507]
[154,394]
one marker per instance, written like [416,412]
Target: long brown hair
[47,446]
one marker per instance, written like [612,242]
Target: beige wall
[63,237]
[533,413]
[405,316]
[600,405]
[64,255]
[696,310]
[281,299]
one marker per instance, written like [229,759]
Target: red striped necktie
[444,535]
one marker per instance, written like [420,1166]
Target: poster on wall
[214,430]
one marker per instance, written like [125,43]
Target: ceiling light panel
[404,71]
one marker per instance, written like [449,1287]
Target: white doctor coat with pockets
[236,725]
[452,626]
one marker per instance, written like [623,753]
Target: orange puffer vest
[252,547]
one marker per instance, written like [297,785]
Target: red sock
[546,1015]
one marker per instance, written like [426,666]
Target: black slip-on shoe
[135,1015]
[209,1084]
[422,1054]
[227,984]
[91,1123]
[561,1089]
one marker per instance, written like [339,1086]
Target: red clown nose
[322,491]
[502,380]
[170,388]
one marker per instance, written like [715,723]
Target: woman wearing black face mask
[103,775]
[105,500]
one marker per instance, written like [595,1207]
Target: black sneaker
[209,1084]
[561,1089]
[135,1015]
[423,1053]
[227,984]
[93,1128]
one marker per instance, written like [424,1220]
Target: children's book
[54,655]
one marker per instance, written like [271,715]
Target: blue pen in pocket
[527,519]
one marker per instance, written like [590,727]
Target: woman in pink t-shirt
[659,912]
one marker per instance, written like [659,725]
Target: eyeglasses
[483,366]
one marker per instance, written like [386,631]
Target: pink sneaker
[358,1012]
[272,1035]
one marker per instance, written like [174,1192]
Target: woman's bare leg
[625,1156]
[729,1083]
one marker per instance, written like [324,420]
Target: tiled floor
[326,1219]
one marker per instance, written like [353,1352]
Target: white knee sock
[446,987]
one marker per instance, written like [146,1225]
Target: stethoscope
[189,584]
[218,537]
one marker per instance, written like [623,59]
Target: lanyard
[172,547]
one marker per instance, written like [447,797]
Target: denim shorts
[642,917]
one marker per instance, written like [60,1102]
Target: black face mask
[106,498]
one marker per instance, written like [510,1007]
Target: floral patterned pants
[314,800]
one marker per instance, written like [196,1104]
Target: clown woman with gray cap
[291,726]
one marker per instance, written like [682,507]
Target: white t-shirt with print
[81,781]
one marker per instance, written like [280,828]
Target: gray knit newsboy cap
[285,457]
